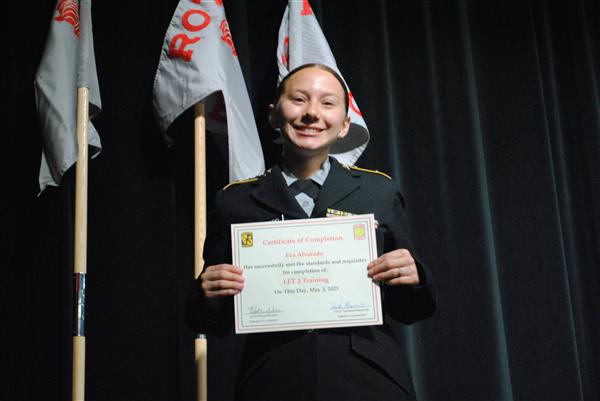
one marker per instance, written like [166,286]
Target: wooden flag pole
[200,233]
[80,263]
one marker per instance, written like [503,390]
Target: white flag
[198,59]
[68,63]
[301,41]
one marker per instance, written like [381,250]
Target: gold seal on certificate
[306,274]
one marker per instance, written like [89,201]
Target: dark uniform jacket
[356,363]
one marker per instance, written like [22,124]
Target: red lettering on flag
[286,51]
[180,51]
[353,104]
[219,2]
[226,36]
[195,28]
[306,9]
[68,10]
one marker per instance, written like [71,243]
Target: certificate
[306,274]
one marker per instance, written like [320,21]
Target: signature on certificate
[343,305]
[258,309]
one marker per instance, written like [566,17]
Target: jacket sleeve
[212,316]
[406,304]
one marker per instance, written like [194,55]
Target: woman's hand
[394,268]
[221,280]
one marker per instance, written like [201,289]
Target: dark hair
[281,86]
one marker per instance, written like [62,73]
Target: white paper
[306,274]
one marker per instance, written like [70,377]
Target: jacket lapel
[339,184]
[272,193]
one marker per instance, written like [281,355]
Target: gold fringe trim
[239,182]
[370,171]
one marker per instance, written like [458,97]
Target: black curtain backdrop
[487,115]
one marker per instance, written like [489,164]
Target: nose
[311,113]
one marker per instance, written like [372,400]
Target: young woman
[356,363]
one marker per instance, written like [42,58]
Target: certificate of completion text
[306,274]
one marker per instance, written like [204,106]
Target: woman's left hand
[397,267]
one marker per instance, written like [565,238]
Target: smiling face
[311,112]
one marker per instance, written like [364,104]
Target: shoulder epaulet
[352,167]
[239,182]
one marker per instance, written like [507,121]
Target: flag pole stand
[200,235]
[80,262]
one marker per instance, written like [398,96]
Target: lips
[308,130]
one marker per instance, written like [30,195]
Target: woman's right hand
[221,280]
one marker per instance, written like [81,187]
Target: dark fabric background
[487,115]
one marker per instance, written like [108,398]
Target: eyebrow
[303,91]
